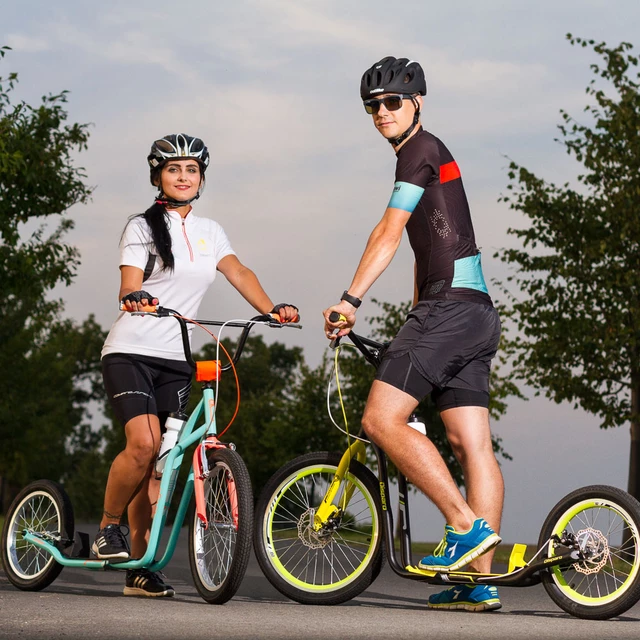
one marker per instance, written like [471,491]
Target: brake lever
[150,310]
[273,319]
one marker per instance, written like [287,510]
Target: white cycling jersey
[198,245]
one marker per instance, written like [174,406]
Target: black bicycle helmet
[393,75]
[178,146]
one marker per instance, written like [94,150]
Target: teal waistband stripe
[467,273]
[405,196]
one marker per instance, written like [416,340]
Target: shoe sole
[487,605]
[487,544]
[134,591]
[122,555]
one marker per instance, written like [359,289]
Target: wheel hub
[309,537]
[594,546]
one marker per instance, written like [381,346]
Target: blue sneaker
[479,597]
[459,548]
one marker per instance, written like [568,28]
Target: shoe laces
[442,547]
[114,533]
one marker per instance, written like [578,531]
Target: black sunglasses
[391,103]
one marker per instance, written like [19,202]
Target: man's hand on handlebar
[138,301]
[341,325]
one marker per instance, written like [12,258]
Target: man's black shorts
[138,385]
[445,347]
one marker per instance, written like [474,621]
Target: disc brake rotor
[595,547]
[309,537]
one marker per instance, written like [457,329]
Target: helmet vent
[393,75]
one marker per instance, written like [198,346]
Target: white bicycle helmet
[178,146]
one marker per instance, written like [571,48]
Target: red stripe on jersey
[449,172]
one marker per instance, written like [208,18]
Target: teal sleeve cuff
[405,196]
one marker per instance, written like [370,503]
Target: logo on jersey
[436,287]
[440,223]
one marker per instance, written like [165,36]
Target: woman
[176,255]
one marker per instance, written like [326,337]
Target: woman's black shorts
[138,385]
[445,348]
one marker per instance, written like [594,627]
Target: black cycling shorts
[445,348]
[139,385]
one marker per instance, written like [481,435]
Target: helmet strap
[162,199]
[416,117]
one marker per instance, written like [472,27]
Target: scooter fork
[201,471]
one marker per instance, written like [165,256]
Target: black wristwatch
[352,300]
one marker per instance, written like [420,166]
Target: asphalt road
[87,604]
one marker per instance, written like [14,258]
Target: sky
[299,176]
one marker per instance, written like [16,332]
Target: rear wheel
[326,566]
[219,551]
[605,522]
[42,508]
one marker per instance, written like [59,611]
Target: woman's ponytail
[157,219]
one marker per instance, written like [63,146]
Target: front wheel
[219,550]
[42,508]
[326,566]
[605,523]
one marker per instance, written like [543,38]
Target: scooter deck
[516,561]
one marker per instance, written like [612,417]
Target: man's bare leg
[469,433]
[385,422]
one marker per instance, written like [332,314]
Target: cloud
[26,44]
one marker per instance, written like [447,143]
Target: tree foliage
[282,410]
[50,364]
[575,295]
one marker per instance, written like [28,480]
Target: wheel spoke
[336,551]
[40,513]
[609,540]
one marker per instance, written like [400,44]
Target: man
[447,343]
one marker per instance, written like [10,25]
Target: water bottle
[173,427]
[417,424]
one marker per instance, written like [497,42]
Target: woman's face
[180,179]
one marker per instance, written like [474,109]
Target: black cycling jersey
[429,186]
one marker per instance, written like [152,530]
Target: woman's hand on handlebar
[340,325]
[138,301]
[285,312]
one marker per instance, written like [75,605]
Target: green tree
[575,296]
[282,411]
[49,363]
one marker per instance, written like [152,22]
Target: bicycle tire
[608,583]
[41,507]
[219,554]
[346,560]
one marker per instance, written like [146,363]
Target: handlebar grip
[334,316]
[276,317]
[150,308]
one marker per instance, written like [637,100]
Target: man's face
[392,124]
